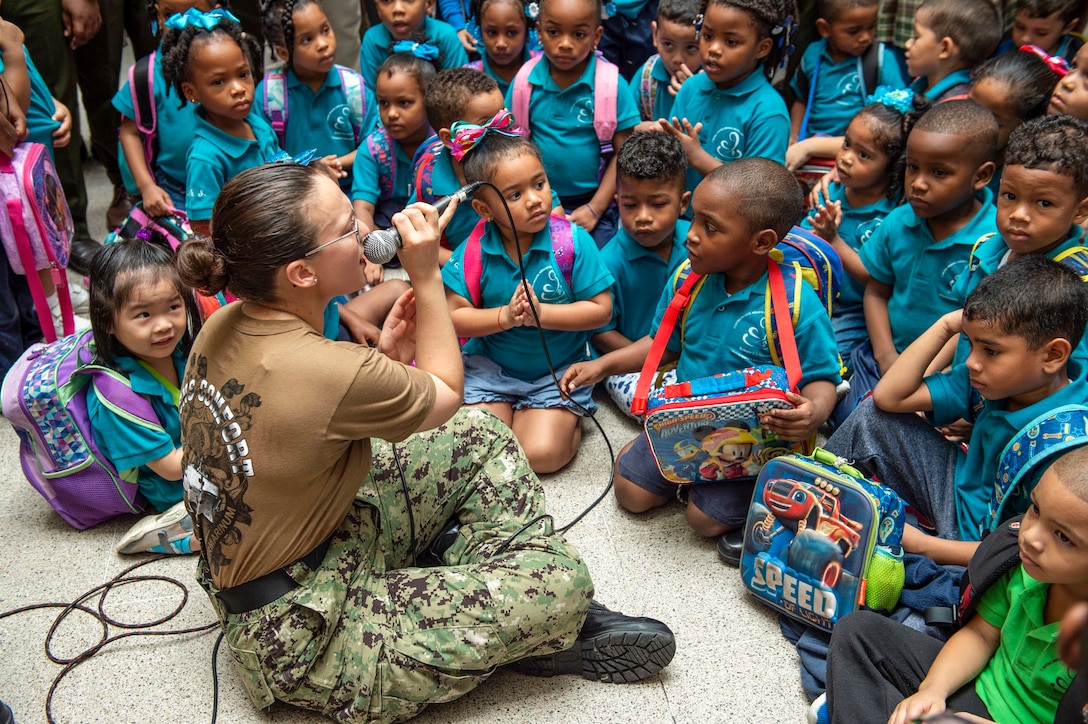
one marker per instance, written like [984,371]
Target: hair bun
[201,266]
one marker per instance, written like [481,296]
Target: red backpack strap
[680,299]
[522,89]
[471,265]
[783,319]
[563,248]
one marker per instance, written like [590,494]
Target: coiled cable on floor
[98,613]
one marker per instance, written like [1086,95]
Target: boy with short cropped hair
[651,174]
[950,38]
[831,71]
[1004,664]
[1048,24]
[915,256]
[1022,323]
[741,210]
[454,94]
[655,83]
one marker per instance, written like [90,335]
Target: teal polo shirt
[640,275]
[952,85]
[839,91]
[629,8]
[989,257]
[374,47]
[954,398]
[130,447]
[749,119]
[216,157]
[443,183]
[562,126]
[39,117]
[856,227]
[365,175]
[922,271]
[1025,678]
[321,120]
[517,350]
[484,65]
[725,332]
[174,128]
[659,80]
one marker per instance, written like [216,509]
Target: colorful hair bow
[899,99]
[423,51]
[467,135]
[473,29]
[204,21]
[1056,63]
[302,159]
[532,11]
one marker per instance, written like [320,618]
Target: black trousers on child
[874,663]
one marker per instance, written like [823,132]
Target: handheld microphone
[381,245]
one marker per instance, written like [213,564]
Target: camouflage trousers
[370,637]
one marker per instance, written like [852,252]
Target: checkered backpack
[44,397]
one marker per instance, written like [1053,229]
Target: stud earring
[315,281]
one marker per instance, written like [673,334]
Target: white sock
[53,301]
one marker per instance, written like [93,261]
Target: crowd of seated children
[944,177]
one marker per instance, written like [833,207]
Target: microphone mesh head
[381,245]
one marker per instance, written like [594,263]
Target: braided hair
[774,19]
[278,23]
[177,51]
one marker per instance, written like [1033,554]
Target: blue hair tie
[423,51]
[197,19]
[898,99]
[302,159]
[473,29]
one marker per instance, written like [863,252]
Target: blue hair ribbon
[197,19]
[302,159]
[898,99]
[423,51]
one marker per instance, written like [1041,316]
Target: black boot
[432,556]
[80,254]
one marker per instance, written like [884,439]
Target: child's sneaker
[817,712]
[168,532]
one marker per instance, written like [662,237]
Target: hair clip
[1056,63]
[302,159]
[423,51]
[466,136]
[610,10]
[698,23]
[143,233]
[898,99]
[204,21]
[532,11]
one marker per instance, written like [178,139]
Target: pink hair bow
[467,135]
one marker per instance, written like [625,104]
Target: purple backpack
[44,397]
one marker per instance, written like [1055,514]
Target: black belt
[266,589]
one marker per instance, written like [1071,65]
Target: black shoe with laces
[611,647]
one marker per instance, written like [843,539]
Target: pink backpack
[562,251]
[605,84]
[37,229]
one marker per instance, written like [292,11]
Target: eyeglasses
[354,230]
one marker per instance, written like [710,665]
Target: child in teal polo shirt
[950,38]
[1004,665]
[731,110]
[506,37]
[741,210]
[564,296]
[312,103]
[562,101]
[648,248]
[655,84]
[915,256]
[1022,321]
[829,85]
[407,21]
[455,94]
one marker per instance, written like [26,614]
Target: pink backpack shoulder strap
[471,265]
[605,97]
[563,248]
[521,92]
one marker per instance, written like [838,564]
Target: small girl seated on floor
[566,295]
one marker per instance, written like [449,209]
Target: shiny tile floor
[731,664]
